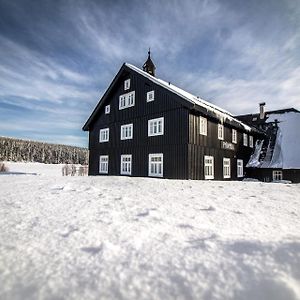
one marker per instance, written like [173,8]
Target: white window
[104,135]
[103,164]
[126,131]
[156,165]
[208,167]
[220,132]
[277,175]
[150,96]
[234,136]
[245,139]
[126,100]
[156,127]
[240,168]
[107,109]
[203,126]
[251,141]
[226,167]
[127,84]
[126,160]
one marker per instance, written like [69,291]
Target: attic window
[127,84]
[234,136]
[251,141]
[203,126]
[220,132]
[150,96]
[107,109]
[245,139]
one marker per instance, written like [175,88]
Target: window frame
[203,125]
[226,167]
[234,136]
[251,141]
[107,109]
[156,120]
[127,84]
[105,171]
[122,137]
[239,168]
[124,100]
[101,140]
[125,156]
[245,139]
[220,130]
[150,173]
[150,93]
[209,175]
[277,173]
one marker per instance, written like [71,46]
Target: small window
[226,168]
[240,168]
[203,126]
[220,132]
[103,164]
[245,139]
[156,165]
[126,162]
[104,135]
[208,167]
[150,96]
[234,136]
[107,109]
[126,132]
[251,141]
[126,100]
[277,175]
[127,84]
[156,127]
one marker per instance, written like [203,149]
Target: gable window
[126,100]
[220,132]
[104,135]
[234,136]
[240,168]
[126,131]
[226,167]
[127,84]
[156,165]
[245,139]
[107,109]
[208,167]
[126,162]
[150,96]
[277,175]
[103,164]
[203,126]
[251,141]
[156,127]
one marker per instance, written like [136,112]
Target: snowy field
[141,238]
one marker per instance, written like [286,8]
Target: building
[277,152]
[144,126]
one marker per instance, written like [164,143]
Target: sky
[58,57]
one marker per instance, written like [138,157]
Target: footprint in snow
[210,208]
[185,226]
[143,214]
[70,231]
[92,250]
[237,212]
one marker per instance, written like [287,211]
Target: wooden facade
[182,145]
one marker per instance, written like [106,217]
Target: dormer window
[107,109]
[127,84]
[150,96]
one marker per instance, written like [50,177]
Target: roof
[196,102]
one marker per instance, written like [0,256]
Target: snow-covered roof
[219,112]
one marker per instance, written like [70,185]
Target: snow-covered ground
[141,238]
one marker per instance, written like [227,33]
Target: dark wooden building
[144,126]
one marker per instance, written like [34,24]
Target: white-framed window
[251,141]
[226,168]
[240,168]
[126,163]
[203,126]
[150,96]
[156,127]
[126,100]
[127,131]
[107,109]
[234,136]
[220,132]
[104,135]
[156,165]
[103,164]
[208,167]
[245,139]
[127,84]
[277,175]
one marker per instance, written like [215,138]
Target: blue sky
[58,57]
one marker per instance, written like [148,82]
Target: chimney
[262,110]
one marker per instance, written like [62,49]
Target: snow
[220,113]
[141,238]
[254,158]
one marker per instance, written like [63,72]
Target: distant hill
[12,149]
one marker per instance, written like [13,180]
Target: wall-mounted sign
[227,145]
